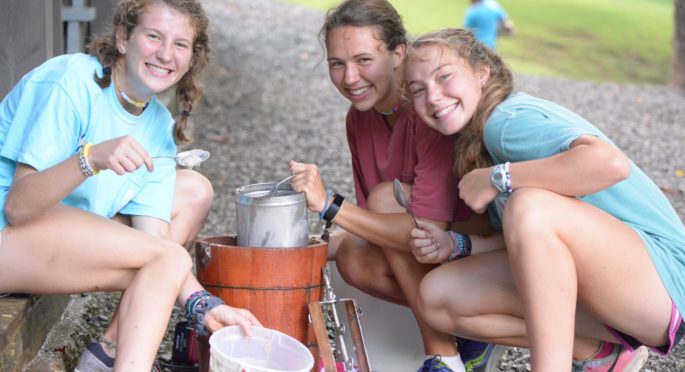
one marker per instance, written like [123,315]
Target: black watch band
[333,209]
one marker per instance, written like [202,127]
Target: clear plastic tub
[267,350]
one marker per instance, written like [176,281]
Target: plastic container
[266,350]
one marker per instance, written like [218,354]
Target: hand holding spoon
[276,186]
[188,159]
[402,199]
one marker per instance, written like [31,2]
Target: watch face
[497,177]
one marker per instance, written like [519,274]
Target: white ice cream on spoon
[188,159]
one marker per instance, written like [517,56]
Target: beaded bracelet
[461,246]
[86,169]
[197,305]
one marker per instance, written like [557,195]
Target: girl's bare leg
[561,249]
[193,197]
[71,251]
[475,298]
[192,202]
[461,308]
[390,274]
[364,266]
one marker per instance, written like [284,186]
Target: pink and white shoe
[619,359]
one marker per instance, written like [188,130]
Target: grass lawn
[607,40]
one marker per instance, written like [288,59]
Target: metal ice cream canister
[277,220]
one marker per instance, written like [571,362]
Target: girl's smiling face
[444,88]
[157,53]
[362,68]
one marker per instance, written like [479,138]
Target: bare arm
[391,230]
[33,193]
[432,245]
[589,166]
[507,27]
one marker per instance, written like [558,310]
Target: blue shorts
[676,331]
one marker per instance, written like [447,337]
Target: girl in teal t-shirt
[593,266]
[77,139]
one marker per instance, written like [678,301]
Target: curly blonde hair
[125,17]
[470,151]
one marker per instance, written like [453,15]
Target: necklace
[137,104]
[392,110]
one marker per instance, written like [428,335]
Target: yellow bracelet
[86,169]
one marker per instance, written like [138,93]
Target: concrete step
[24,323]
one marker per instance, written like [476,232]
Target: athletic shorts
[676,331]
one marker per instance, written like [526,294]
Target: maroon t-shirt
[413,152]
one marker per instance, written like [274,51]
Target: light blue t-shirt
[526,128]
[483,19]
[57,107]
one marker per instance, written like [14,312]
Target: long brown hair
[125,17]
[379,14]
[470,149]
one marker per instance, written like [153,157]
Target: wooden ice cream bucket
[275,284]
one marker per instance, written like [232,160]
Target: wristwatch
[500,178]
[333,209]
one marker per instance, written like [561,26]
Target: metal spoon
[402,199]
[275,187]
[188,159]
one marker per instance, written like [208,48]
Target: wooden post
[76,16]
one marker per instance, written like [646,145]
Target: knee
[431,299]
[440,305]
[382,199]
[353,264]
[527,214]
[194,189]
[347,262]
[175,258]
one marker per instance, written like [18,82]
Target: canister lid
[255,194]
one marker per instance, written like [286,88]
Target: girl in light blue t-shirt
[593,266]
[86,149]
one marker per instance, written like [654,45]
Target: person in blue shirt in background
[487,19]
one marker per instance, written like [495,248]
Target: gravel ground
[269,100]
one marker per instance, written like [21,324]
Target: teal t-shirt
[526,128]
[57,107]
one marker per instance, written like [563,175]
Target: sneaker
[479,356]
[619,360]
[94,359]
[434,364]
